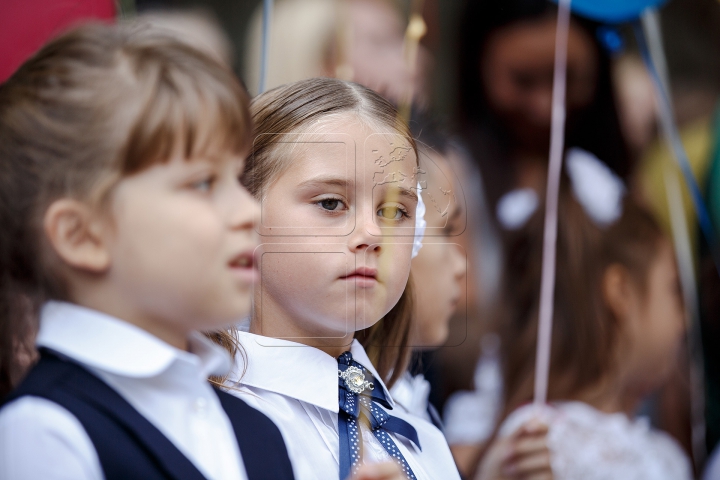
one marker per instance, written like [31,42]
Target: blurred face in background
[438,271]
[655,325]
[517,72]
[376,52]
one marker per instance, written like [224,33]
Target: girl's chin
[352,325]
[335,321]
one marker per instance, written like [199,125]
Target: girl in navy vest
[126,230]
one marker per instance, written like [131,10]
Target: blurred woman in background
[507,52]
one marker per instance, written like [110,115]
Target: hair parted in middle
[297,108]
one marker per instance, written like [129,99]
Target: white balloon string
[557,143]
[265,52]
[683,249]
[683,253]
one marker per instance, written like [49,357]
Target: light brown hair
[584,328]
[95,105]
[293,108]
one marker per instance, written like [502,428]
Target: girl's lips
[361,280]
[244,266]
[364,272]
[246,259]
[363,277]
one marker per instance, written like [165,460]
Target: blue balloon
[612,11]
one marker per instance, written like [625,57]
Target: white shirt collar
[305,373]
[109,344]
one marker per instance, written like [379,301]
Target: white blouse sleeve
[586,443]
[41,439]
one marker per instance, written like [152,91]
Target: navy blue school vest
[128,445]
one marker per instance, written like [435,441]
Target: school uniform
[109,400]
[310,396]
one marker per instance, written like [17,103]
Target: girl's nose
[459,262]
[367,234]
[540,106]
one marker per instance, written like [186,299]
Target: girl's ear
[617,291]
[75,232]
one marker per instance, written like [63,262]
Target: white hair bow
[594,185]
[420,223]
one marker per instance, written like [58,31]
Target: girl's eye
[204,185]
[331,204]
[392,213]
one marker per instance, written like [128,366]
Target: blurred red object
[25,25]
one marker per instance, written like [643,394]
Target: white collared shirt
[297,387]
[168,386]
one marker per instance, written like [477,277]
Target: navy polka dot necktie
[361,401]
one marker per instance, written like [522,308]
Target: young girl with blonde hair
[336,175]
[338,178]
[126,231]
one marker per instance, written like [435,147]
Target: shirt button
[200,405]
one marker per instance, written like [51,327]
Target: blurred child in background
[618,326]
[127,232]
[438,276]
[358,40]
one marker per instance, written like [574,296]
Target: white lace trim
[591,445]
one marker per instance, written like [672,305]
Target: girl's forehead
[390,160]
[359,126]
[348,143]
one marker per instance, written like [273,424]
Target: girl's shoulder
[41,439]
[590,444]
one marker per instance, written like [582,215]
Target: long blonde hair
[293,108]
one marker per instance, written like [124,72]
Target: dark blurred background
[691,32]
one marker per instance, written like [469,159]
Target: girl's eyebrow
[324,181]
[403,192]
